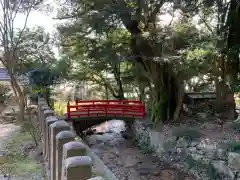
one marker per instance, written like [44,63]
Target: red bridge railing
[93,108]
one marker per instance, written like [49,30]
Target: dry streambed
[126,160]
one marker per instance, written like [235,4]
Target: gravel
[126,160]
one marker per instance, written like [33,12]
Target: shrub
[232,146]
[60,108]
[187,133]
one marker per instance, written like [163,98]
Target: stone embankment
[214,155]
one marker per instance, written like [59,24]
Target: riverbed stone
[3,157]
[234,160]
[208,146]
[192,149]
[197,157]
[96,178]
[222,168]
[194,144]
[182,143]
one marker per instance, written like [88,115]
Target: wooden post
[143,110]
[76,103]
[68,111]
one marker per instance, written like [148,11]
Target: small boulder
[207,145]
[97,178]
[27,147]
[3,157]
[192,149]
[202,115]
[9,114]
[36,155]
[222,168]
[182,143]
[197,157]
[234,160]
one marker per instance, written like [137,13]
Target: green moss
[235,126]
[232,146]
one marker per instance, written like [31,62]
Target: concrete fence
[65,158]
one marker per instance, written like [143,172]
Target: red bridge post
[68,111]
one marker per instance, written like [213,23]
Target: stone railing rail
[65,158]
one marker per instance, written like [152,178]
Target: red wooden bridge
[105,108]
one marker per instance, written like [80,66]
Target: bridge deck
[106,108]
[85,114]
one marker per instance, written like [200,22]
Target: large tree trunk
[20,95]
[160,74]
[180,96]
[117,75]
[164,100]
[229,63]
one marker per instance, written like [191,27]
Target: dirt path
[6,129]
[125,160]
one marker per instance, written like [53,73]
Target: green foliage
[187,133]
[232,147]
[127,40]
[41,80]
[237,102]
[235,126]
[35,50]
[91,59]
[60,108]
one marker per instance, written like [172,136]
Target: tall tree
[154,47]
[94,59]
[35,50]
[221,19]
[9,11]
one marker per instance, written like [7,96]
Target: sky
[46,20]
[36,19]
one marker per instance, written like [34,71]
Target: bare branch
[207,24]
[20,35]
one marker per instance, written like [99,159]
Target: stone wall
[65,157]
[204,158]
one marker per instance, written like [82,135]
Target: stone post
[78,168]
[55,128]
[71,149]
[41,103]
[48,121]
[46,111]
[62,138]
[43,108]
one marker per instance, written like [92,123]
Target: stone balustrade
[65,158]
